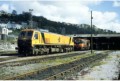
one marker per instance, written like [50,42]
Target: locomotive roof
[42,31]
[28,29]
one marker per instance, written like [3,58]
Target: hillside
[53,26]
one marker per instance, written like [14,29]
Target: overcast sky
[106,14]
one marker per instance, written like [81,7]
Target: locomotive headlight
[24,38]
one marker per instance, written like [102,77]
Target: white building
[44,30]
[24,25]
[4,29]
[3,25]
[13,25]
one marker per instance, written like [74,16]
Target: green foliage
[53,26]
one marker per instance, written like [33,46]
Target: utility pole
[91,35]
[31,22]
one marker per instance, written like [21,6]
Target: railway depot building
[102,41]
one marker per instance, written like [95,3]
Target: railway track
[36,59]
[7,53]
[20,62]
[76,67]
[47,71]
[5,58]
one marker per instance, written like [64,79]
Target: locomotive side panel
[51,38]
[43,42]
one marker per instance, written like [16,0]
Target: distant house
[3,33]
[13,25]
[24,25]
[43,30]
[3,25]
[4,30]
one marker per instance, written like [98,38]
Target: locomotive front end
[25,41]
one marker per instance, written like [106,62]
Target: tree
[14,12]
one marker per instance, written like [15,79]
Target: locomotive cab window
[36,36]
[27,34]
[22,34]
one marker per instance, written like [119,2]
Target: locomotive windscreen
[78,41]
[27,34]
[24,40]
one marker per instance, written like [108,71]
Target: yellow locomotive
[31,41]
